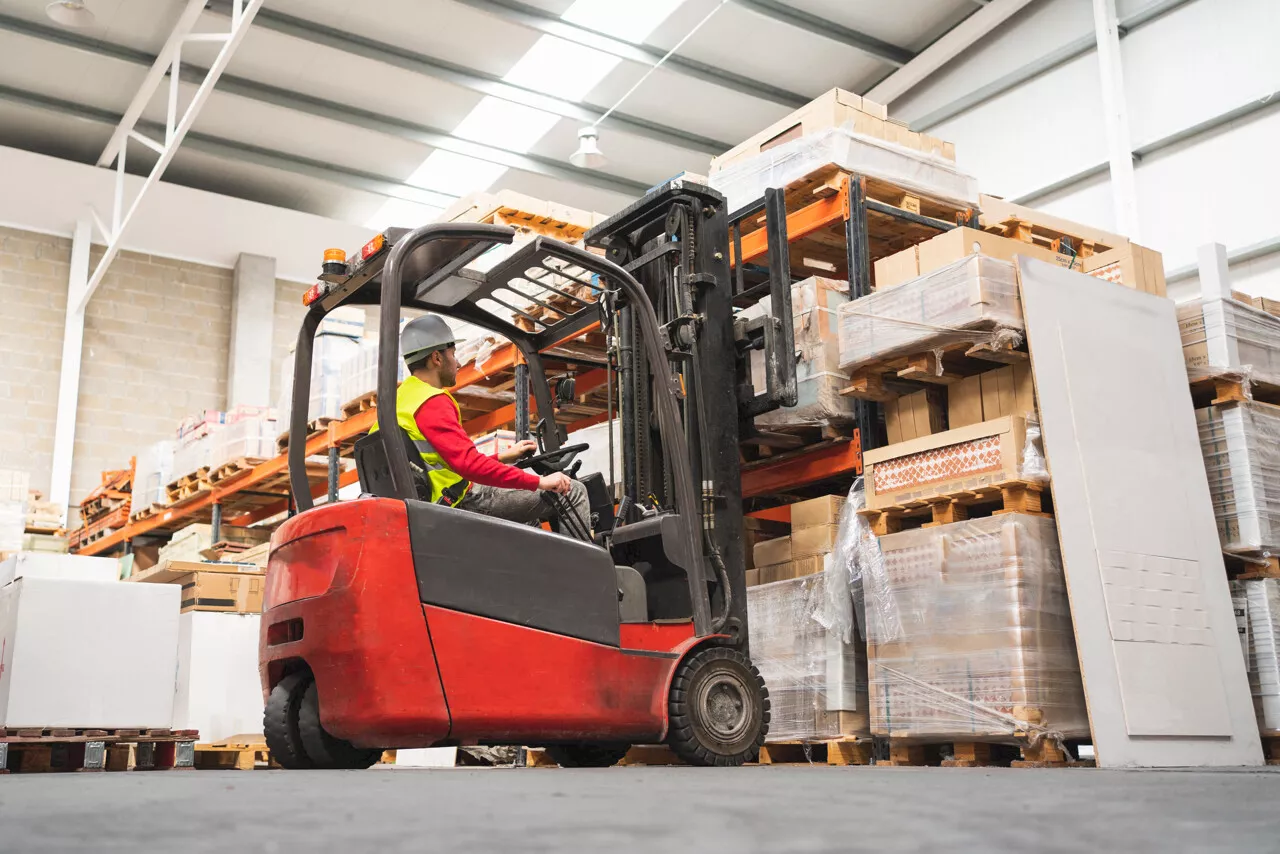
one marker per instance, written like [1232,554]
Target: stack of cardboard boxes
[803,638]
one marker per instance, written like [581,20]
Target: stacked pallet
[550,296]
[803,637]
[1231,343]
[106,508]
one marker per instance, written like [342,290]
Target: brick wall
[155,350]
[32,309]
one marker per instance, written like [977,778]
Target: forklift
[393,622]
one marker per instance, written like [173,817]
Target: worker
[460,475]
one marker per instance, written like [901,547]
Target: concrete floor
[644,809]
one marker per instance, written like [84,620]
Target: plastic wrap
[252,438]
[926,174]
[331,351]
[476,351]
[970,634]
[816,678]
[358,374]
[153,471]
[1241,447]
[1262,648]
[194,451]
[974,300]
[815,326]
[1224,336]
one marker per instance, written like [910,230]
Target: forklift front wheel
[718,709]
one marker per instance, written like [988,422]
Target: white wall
[1203,59]
[45,194]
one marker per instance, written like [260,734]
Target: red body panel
[392,672]
[508,683]
[364,638]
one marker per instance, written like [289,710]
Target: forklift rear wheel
[718,709]
[587,755]
[323,749]
[280,721]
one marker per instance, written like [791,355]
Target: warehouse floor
[640,809]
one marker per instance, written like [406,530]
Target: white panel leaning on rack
[1164,679]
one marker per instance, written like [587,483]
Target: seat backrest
[374,469]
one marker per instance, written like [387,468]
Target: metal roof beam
[342,113]
[531,17]
[476,81]
[800,19]
[950,45]
[175,130]
[240,152]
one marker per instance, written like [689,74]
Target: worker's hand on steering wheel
[518,450]
[558,482]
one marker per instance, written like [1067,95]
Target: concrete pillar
[1115,110]
[1215,277]
[253,305]
[64,430]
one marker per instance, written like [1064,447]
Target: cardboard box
[816,540]
[234,592]
[897,268]
[990,395]
[1130,265]
[771,552]
[55,565]
[835,108]
[959,459]
[811,565]
[169,571]
[1242,462]
[964,402]
[88,654]
[1223,334]
[824,510]
[951,246]
[776,572]
[913,415]
[218,688]
[753,577]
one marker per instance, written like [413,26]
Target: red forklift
[393,622]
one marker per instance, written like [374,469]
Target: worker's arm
[438,421]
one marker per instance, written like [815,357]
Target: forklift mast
[675,243]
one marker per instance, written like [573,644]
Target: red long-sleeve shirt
[438,421]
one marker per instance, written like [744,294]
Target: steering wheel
[550,462]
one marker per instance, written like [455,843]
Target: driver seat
[374,469]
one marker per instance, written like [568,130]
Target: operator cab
[651,568]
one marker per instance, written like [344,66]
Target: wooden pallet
[1249,566]
[233,469]
[234,755]
[1011,496]
[775,439]
[842,751]
[823,251]
[897,374]
[315,428]
[188,486]
[46,749]
[1232,387]
[976,754]
[366,401]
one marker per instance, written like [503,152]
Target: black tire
[587,755]
[280,721]
[323,749]
[718,709]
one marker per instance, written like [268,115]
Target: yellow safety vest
[447,486]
